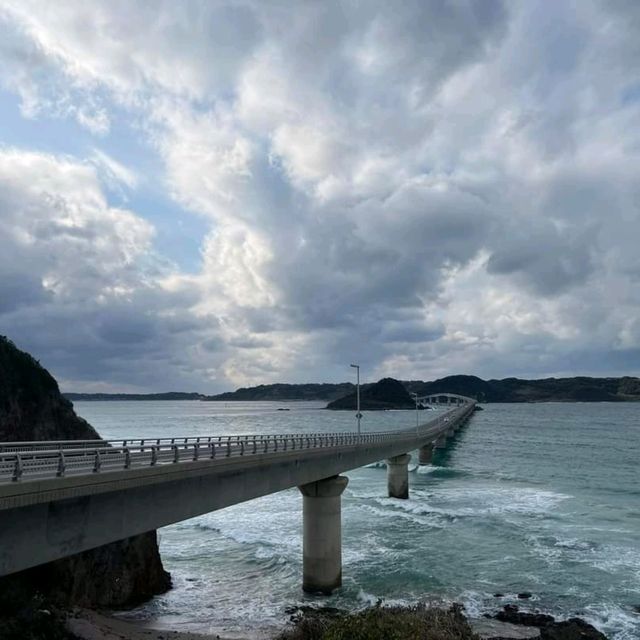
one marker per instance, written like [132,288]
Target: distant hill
[579,389]
[384,394]
[307,391]
[170,395]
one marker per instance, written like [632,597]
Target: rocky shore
[425,622]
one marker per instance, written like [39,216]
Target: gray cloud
[426,187]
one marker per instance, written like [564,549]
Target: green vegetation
[418,622]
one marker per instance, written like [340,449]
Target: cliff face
[115,575]
[31,406]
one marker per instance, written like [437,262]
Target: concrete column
[322,534]
[425,454]
[398,476]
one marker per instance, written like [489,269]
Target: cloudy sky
[204,195]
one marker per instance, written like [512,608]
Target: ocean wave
[613,620]
[407,514]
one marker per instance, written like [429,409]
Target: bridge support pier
[425,453]
[322,534]
[398,476]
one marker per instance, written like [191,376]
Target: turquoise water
[534,497]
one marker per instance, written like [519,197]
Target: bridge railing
[39,460]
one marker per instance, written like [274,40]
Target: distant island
[279,391]
[578,389]
[384,394]
[169,395]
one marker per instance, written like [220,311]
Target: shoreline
[87,624]
[509,623]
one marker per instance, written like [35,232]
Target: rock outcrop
[550,628]
[115,575]
[384,394]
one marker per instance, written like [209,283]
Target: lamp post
[358,414]
[415,395]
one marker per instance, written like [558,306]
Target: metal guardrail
[50,459]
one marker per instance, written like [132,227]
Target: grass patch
[419,622]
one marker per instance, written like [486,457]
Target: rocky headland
[116,575]
[384,394]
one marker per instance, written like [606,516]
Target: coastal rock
[115,575]
[572,629]
[511,613]
[550,629]
[489,629]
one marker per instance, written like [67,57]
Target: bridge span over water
[61,498]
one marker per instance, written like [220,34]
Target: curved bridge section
[60,498]
[443,398]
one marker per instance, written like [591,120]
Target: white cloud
[431,187]
[114,173]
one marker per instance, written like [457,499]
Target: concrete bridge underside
[44,520]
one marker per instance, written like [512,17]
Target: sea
[539,498]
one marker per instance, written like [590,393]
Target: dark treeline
[577,389]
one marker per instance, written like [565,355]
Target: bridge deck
[77,496]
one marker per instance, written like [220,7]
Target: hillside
[578,389]
[169,395]
[308,391]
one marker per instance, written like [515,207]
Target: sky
[207,195]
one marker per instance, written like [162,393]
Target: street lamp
[415,395]
[358,414]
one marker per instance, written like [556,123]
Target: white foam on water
[613,558]
[370,600]
[395,514]
[425,469]
[367,599]
[614,621]
[575,544]
[494,501]
[363,495]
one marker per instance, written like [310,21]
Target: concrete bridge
[61,498]
[443,398]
